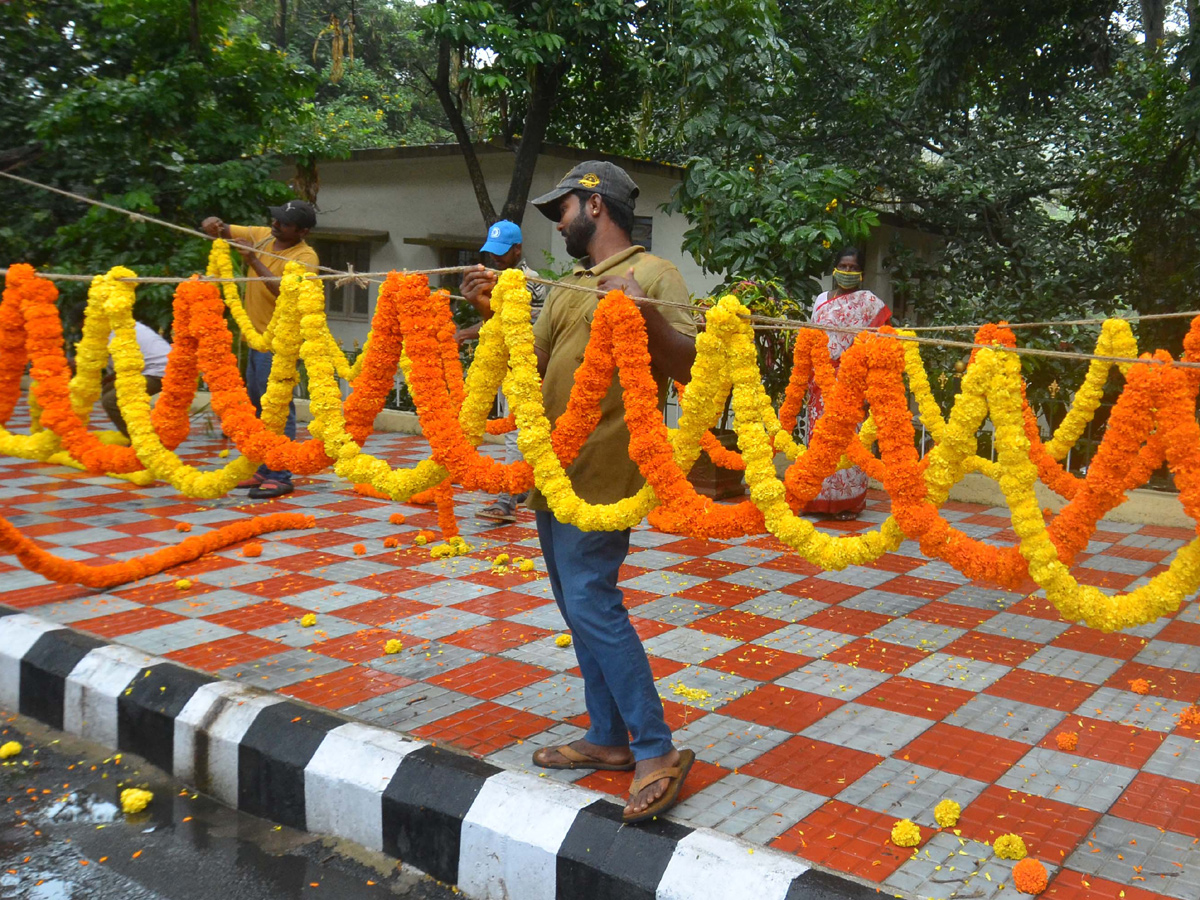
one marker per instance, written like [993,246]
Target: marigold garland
[866,407]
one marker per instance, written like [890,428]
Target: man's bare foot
[551,758]
[654,790]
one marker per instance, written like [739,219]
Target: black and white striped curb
[497,834]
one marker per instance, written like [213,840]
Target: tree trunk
[450,106]
[1154,14]
[281,26]
[541,104]
[194,26]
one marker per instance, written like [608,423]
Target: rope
[761,323]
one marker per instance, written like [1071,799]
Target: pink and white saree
[844,491]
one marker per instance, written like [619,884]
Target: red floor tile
[1087,640]
[720,592]
[311,561]
[737,625]
[848,838]
[634,598]
[1068,884]
[1051,830]
[759,663]
[993,648]
[821,589]
[660,667]
[1102,578]
[1172,683]
[1169,532]
[284,585]
[1111,742]
[1037,608]
[845,620]
[1042,690]
[793,563]
[916,698]
[260,615]
[778,707]
[706,568]
[27,598]
[491,677]
[698,547]
[941,613]
[496,637]
[203,566]
[383,610]
[231,651]
[485,728]
[649,628]
[121,545]
[509,580]
[1163,803]
[962,751]
[895,562]
[395,582]
[128,622]
[918,587]
[880,656]
[361,646]
[1180,632]
[813,766]
[345,687]
[502,604]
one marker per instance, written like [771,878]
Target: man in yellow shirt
[290,225]
[593,208]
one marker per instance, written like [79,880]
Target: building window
[452,257]
[643,231]
[348,301]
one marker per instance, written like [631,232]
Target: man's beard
[579,234]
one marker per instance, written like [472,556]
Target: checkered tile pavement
[833,704]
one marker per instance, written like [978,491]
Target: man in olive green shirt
[593,206]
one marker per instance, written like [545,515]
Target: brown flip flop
[676,773]
[577,760]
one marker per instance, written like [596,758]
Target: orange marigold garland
[67,571]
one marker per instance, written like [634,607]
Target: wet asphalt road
[63,837]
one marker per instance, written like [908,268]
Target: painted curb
[495,833]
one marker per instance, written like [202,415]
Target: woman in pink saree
[848,305]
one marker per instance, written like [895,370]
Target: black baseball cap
[604,178]
[300,213]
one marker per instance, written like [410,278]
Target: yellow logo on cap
[590,180]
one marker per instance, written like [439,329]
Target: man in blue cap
[501,250]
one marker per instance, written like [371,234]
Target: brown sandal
[577,760]
[676,773]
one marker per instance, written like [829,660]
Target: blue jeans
[619,691]
[258,370]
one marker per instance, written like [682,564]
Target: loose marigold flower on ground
[1067,740]
[253,549]
[134,800]
[183,584]
[12,748]
[1189,715]
[421,540]
[393,646]
[946,813]
[359,549]
[391,542]
[1030,876]
[563,640]
[224,454]
[183,527]
[501,560]
[526,565]
[1010,846]
[309,620]
[396,518]
[1140,686]
[906,833]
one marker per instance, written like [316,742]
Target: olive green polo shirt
[603,471]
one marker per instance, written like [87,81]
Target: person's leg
[258,373]
[589,563]
[607,739]
[504,508]
[108,400]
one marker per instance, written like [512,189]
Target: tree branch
[542,98]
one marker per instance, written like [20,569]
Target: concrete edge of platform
[494,833]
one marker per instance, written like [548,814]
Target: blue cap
[501,236]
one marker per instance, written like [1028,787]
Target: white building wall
[432,196]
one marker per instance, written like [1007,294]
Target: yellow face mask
[846,279]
